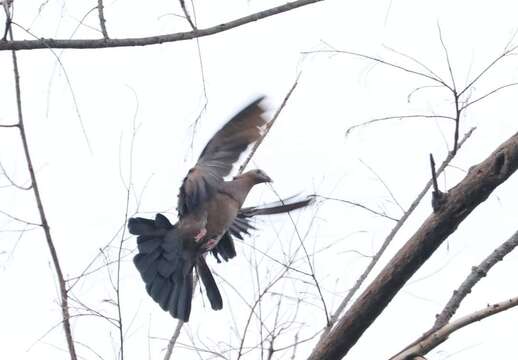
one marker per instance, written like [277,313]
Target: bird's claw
[211,244]
[200,235]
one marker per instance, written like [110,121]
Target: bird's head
[259,176]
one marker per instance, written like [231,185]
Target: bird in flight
[210,214]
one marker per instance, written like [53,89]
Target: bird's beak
[267,179]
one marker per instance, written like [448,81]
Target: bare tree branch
[439,336]
[398,117]
[460,201]
[11,181]
[8,17]
[174,338]
[387,241]
[507,51]
[477,273]
[269,126]
[487,95]
[151,40]
[102,20]
[380,61]
[382,214]
[187,16]
[44,223]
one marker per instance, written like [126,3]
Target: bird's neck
[239,188]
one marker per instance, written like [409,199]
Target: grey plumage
[209,215]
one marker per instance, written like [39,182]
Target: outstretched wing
[242,224]
[165,266]
[219,155]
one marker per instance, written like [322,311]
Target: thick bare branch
[460,201]
[151,40]
[388,240]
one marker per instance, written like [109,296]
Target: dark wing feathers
[277,207]
[225,248]
[242,224]
[167,268]
[219,155]
[226,145]
[198,186]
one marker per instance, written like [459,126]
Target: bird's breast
[222,210]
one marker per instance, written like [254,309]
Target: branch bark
[151,40]
[388,240]
[460,201]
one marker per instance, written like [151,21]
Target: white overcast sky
[160,90]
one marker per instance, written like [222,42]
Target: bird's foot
[200,235]
[211,244]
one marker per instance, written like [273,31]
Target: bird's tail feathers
[165,271]
[216,302]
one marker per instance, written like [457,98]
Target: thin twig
[102,20]
[8,17]
[187,16]
[454,91]
[384,185]
[11,181]
[129,187]
[486,95]
[174,338]
[398,117]
[44,223]
[203,82]
[268,126]
[506,52]
[414,60]
[477,273]
[311,266]
[381,61]
[15,218]
[448,62]
[69,83]
[382,214]
[439,336]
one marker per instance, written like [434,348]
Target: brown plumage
[209,214]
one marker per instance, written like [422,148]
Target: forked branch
[474,189]
[151,40]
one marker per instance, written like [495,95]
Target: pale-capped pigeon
[210,213]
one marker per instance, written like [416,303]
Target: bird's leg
[200,235]
[211,244]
